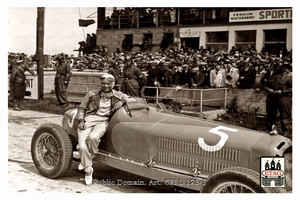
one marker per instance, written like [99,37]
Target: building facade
[215,28]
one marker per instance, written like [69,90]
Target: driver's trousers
[89,139]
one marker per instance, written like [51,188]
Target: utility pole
[40,51]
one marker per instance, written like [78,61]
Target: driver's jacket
[91,101]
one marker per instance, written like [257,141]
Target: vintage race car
[182,151]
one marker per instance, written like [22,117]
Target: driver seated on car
[94,112]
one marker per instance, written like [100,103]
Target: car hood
[207,134]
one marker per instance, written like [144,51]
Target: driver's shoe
[89,178]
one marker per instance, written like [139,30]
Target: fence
[190,99]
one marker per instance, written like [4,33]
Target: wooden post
[40,51]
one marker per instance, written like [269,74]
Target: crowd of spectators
[134,17]
[190,68]
[13,58]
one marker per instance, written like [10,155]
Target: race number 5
[222,141]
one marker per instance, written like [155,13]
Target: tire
[288,171]
[51,150]
[236,180]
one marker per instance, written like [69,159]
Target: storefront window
[245,40]
[217,40]
[275,40]
[275,35]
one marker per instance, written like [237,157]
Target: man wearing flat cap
[279,88]
[166,75]
[186,75]
[17,81]
[61,81]
[94,111]
[197,77]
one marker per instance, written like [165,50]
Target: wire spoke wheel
[51,150]
[236,180]
[233,187]
[48,150]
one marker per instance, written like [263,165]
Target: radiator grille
[212,166]
[194,148]
[190,162]
[175,159]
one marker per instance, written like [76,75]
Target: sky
[61,29]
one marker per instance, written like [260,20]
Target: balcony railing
[160,17]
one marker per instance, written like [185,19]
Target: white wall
[196,31]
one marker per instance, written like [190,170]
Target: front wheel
[51,150]
[235,180]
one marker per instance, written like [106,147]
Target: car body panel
[147,137]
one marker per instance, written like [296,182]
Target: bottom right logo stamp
[272,172]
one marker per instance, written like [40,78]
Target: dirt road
[24,177]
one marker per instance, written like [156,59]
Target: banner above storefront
[188,33]
[260,15]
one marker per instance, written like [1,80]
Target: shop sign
[189,33]
[260,15]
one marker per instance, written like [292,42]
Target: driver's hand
[81,126]
[118,105]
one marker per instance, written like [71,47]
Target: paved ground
[23,177]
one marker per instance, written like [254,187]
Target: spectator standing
[61,82]
[206,70]
[117,71]
[18,82]
[11,67]
[132,75]
[114,20]
[232,51]
[155,18]
[259,75]
[247,76]
[153,75]
[147,43]
[193,15]
[165,77]
[197,77]
[177,73]
[172,12]
[186,76]
[217,77]
[279,89]
[161,16]
[232,75]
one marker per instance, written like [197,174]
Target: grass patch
[48,105]
[246,118]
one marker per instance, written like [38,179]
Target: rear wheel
[235,180]
[51,150]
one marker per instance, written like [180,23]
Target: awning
[86,22]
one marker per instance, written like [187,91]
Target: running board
[155,173]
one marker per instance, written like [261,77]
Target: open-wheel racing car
[187,152]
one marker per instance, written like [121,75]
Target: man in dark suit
[186,75]
[197,77]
